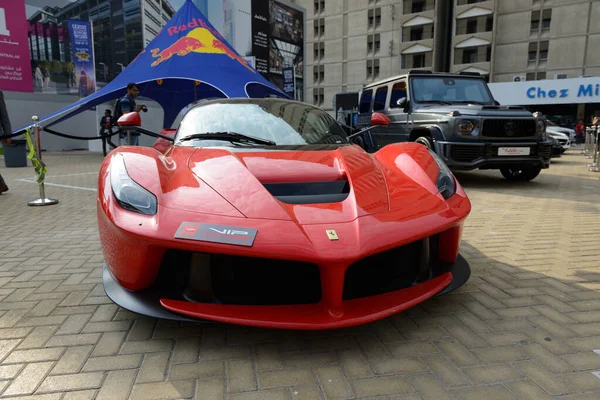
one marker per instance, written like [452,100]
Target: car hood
[556,134]
[476,110]
[562,131]
[312,187]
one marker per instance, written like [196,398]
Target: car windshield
[282,122]
[450,90]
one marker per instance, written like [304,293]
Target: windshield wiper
[471,102]
[230,136]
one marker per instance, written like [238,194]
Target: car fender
[435,132]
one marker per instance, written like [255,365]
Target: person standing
[127,105]
[579,132]
[106,124]
[5,129]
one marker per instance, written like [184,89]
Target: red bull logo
[199,40]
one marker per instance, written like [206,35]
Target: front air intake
[309,192]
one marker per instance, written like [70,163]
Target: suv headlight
[445,180]
[130,195]
[540,127]
[465,127]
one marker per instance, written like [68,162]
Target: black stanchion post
[43,200]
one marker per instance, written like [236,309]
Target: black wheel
[520,174]
[425,141]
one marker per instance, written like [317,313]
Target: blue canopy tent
[187,61]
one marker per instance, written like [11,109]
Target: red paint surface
[393,201]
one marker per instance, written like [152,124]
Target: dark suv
[457,117]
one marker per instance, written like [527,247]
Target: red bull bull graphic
[198,40]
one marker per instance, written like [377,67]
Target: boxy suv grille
[508,128]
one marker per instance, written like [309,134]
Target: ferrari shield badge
[331,234]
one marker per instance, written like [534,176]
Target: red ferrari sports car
[263,212]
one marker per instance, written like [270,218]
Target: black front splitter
[461,272]
[143,302]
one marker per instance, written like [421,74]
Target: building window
[546,19]
[535,21]
[374,18]
[319,26]
[318,96]
[417,60]
[374,43]
[541,75]
[319,6]
[373,68]
[318,73]
[543,51]
[318,50]
[417,6]
[530,76]
[472,25]
[489,23]
[472,55]
[532,52]
[414,33]
[464,2]
[541,55]
[469,56]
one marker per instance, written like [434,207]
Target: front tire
[425,141]
[523,174]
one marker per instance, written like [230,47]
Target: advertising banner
[15,69]
[83,56]
[289,84]
[260,35]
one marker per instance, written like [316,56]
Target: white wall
[22,106]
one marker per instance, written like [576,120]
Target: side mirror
[402,102]
[130,120]
[380,119]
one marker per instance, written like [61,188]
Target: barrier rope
[64,135]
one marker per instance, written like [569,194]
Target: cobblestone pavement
[525,326]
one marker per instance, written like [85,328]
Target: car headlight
[541,127]
[445,180]
[130,195]
[465,127]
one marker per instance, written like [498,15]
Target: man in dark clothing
[5,129]
[106,124]
[128,105]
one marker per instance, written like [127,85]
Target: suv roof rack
[470,73]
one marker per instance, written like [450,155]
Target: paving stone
[524,326]
[28,380]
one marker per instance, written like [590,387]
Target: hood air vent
[309,192]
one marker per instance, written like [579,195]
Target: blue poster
[83,56]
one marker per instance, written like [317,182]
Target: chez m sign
[551,91]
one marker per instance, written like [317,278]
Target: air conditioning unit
[560,76]
[519,78]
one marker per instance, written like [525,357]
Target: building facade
[353,42]
[121,29]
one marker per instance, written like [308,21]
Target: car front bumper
[484,155]
[136,250]
[316,316]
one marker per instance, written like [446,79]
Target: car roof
[246,100]
[421,73]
